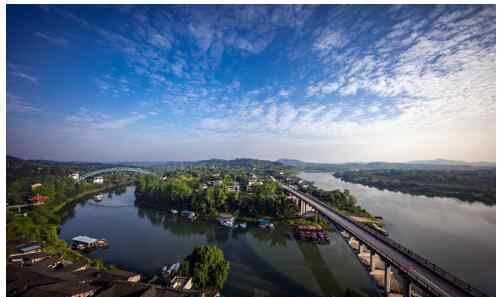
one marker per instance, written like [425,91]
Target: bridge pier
[387,278]
[406,286]
[372,261]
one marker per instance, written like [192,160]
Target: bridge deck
[429,279]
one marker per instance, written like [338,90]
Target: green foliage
[207,266]
[469,185]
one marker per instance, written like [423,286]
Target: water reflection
[262,261]
[457,235]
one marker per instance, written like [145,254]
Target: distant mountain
[453,162]
[438,164]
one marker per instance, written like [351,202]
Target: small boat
[167,272]
[173,211]
[243,225]
[380,229]
[102,243]
[98,197]
[226,223]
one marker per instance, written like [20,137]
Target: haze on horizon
[326,84]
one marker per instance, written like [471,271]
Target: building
[63,288]
[181,282]
[75,175]
[39,198]
[82,242]
[120,275]
[29,247]
[226,219]
[214,183]
[98,180]
[35,186]
[233,188]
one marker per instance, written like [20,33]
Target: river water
[458,236]
[263,263]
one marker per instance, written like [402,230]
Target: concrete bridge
[115,169]
[414,271]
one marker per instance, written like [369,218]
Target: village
[32,272]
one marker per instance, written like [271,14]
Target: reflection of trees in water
[119,190]
[276,237]
[320,269]
[67,215]
[183,227]
[257,272]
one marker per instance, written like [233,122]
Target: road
[420,274]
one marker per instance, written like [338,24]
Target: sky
[328,83]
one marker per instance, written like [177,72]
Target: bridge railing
[414,256]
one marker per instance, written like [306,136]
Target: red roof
[39,198]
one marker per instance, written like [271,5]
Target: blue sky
[317,83]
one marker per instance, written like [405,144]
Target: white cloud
[57,40]
[18,104]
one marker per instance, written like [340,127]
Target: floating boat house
[85,241]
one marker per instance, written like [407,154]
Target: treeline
[468,185]
[342,200]
[186,191]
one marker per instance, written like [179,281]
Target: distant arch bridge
[116,169]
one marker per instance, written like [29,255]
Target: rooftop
[85,239]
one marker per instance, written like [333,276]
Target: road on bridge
[419,273]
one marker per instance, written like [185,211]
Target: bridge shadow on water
[256,270]
[320,269]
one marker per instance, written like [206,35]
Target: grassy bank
[42,225]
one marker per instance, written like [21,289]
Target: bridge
[115,169]
[415,271]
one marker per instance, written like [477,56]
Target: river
[458,236]
[263,263]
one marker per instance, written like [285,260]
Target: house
[63,288]
[233,188]
[123,289]
[215,183]
[120,275]
[75,176]
[29,247]
[19,279]
[33,258]
[98,180]
[181,282]
[35,186]
[39,198]
[226,219]
[82,242]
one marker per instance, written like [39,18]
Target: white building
[75,175]
[98,180]
[235,187]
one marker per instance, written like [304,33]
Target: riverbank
[44,228]
[416,221]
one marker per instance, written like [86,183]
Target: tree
[207,266]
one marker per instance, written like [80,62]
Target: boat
[98,197]
[243,225]
[380,229]
[102,243]
[173,211]
[226,223]
[226,220]
[167,272]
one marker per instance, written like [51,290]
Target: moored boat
[174,211]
